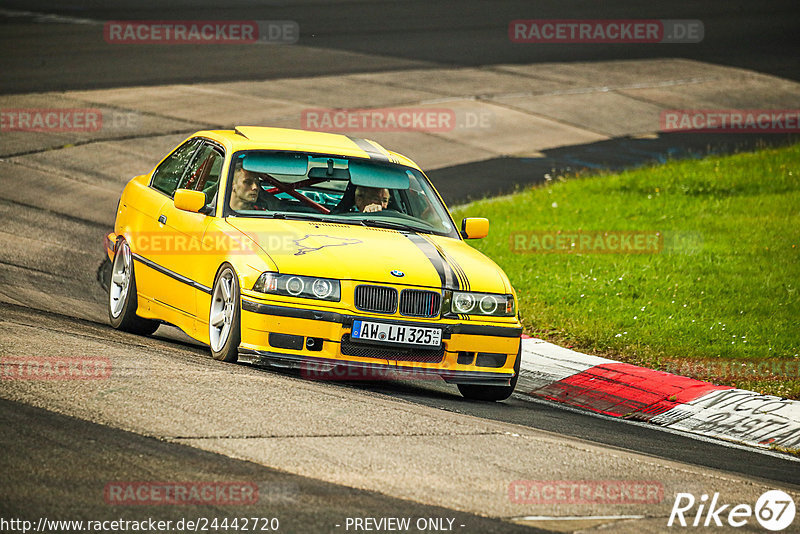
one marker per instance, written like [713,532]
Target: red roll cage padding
[290,190]
[200,175]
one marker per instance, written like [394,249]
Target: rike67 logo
[774,510]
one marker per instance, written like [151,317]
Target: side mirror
[474,227]
[188,200]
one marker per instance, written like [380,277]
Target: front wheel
[493,393]
[122,300]
[224,317]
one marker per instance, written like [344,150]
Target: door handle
[162,219]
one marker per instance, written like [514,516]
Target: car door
[186,230]
[147,238]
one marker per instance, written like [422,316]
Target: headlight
[295,286]
[323,288]
[463,302]
[298,286]
[482,304]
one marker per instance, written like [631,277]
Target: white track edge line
[684,433]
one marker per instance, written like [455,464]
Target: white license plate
[396,334]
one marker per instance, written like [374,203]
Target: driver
[244,190]
[371,199]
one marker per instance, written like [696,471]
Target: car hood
[351,252]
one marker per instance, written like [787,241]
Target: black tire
[227,349]
[104,274]
[493,393]
[122,300]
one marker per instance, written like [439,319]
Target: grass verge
[717,296]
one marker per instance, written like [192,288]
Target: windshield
[337,189]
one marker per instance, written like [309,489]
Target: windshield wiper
[299,216]
[388,224]
[392,225]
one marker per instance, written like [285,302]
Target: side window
[169,173]
[204,171]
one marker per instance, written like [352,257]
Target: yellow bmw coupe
[295,248]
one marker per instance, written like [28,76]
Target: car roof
[266,138]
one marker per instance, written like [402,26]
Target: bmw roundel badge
[398,274]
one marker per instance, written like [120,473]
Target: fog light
[314,343]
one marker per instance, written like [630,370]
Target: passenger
[371,199]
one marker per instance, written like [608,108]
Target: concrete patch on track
[506,110]
[46,121]
[596,111]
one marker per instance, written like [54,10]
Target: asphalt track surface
[63,476]
[368,36]
[57,464]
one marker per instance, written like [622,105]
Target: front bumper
[471,352]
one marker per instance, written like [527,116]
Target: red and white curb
[622,390]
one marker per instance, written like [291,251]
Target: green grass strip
[719,298]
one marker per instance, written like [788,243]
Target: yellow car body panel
[178,255]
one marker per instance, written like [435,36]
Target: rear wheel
[122,300]
[493,393]
[224,330]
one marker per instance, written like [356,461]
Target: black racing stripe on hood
[460,269]
[369,148]
[446,274]
[462,276]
